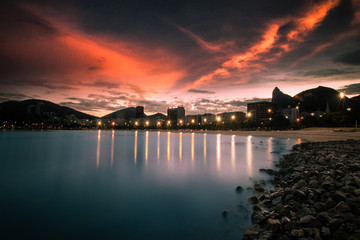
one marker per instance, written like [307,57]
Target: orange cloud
[311,19]
[92,62]
[254,59]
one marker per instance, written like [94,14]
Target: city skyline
[207,56]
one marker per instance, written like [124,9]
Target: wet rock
[334,224]
[273,224]
[239,189]
[266,235]
[297,233]
[257,217]
[325,231]
[309,221]
[342,207]
[252,232]
[225,213]
[253,200]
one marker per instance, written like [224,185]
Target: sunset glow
[69,54]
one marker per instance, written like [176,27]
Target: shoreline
[316,196]
[305,135]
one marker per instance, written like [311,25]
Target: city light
[218,119]
[192,120]
[181,121]
[204,119]
[342,95]
[269,110]
[249,114]
[147,123]
[99,123]
[297,107]
[113,123]
[168,122]
[312,114]
[270,119]
[233,117]
[136,123]
[158,123]
[348,109]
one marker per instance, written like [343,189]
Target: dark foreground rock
[316,196]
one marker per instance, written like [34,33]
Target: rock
[225,213]
[251,232]
[300,184]
[340,235]
[253,200]
[257,217]
[273,224]
[239,189]
[297,233]
[342,207]
[324,217]
[276,201]
[325,231]
[268,171]
[266,235]
[309,221]
[320,206]
[334,224]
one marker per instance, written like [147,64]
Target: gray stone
[252,232]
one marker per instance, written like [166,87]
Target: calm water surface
[129,184]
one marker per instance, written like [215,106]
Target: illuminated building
[176,116]
[230,117]
[262,111]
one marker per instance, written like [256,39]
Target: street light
[147,123]
[233,117]
[342,95]
[99,123]
[218,119]
[192,120]
[269,110]
[249,114]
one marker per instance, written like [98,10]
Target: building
[139,112]
[261,111]
[176,116]
[207,118]
[230,117]
[291,113]
[192,120]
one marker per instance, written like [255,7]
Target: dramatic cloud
[351,58]
[351,89]
[200,91]
[114,54]
[327,72]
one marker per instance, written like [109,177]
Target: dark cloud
[200,91]
[328,72]
[4,96]
[351,89]
[351,58]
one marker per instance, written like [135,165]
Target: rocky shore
[316,196]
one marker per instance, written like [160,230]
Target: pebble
[316,196]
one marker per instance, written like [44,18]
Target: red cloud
[255,58]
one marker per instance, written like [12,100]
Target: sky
[209,56]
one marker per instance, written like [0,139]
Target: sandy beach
[306,135]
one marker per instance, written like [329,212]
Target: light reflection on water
[130,184]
